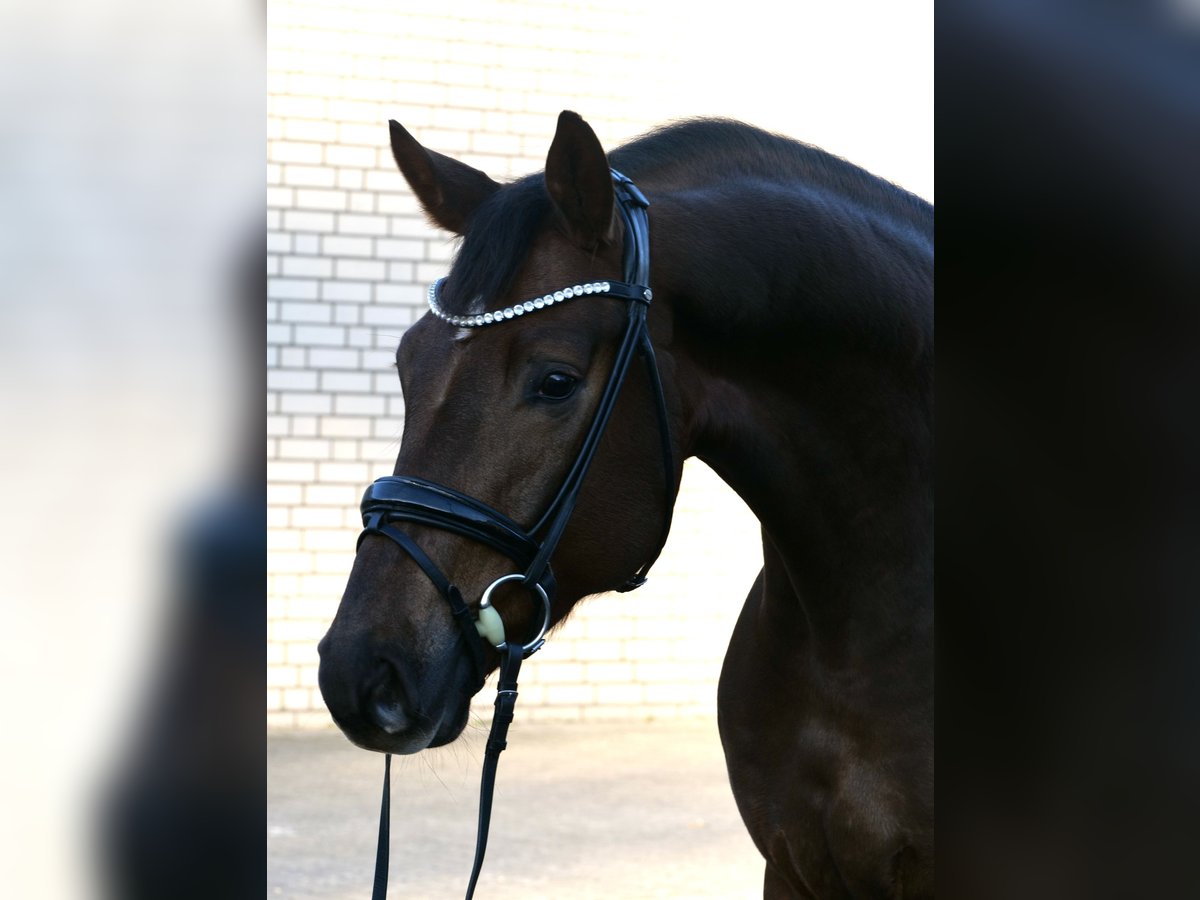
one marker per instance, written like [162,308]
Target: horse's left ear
[579,182]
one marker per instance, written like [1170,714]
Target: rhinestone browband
[517,309]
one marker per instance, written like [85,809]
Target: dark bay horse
[792,328]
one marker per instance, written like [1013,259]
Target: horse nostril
[390,717]
[385,702]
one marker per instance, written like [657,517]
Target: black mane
[678,156]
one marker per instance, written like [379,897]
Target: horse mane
[693,152]
[689,156]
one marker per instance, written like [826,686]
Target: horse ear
[580,183]
[448,190]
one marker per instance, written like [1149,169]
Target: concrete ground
[586,811]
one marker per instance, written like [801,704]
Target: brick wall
[349,258]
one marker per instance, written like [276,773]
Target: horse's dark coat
[793,325]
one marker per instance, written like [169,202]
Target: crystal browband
[520,309]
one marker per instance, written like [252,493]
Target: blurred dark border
[1068,300]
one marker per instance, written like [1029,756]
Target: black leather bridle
[401,498]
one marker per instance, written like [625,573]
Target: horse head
[503,383]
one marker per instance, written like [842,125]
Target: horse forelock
[496,244]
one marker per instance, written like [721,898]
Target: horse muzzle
[381,702]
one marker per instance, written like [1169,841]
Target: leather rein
[407,499]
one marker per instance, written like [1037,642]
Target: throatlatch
[408,499]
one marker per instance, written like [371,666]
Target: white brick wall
[350,255]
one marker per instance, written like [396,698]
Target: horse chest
[831,787]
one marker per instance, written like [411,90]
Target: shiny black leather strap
[411,499]
[458,607]
[497,742]
[506,701]
[382,846]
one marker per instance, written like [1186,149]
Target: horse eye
[557,386]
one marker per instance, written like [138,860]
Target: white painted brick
[309,130]
[327,539]
[304,517]
[291,380]
[361,202]
[305,403]
[411,227]
[306,243]
[301,472]
[356,111]
[386,181]
[348,156]
[284,494]
[400,249]
[358,405]
[294,152]
[280,721]
[356,224]
[304,653]
[365,270]
[328,562]
[280,197]
[619,694]
[387,315]
[366,89]
[287,561]
[351,180]
[373,135]
[297,698]
[320,335]
[570,694]
[338,245]
[323,587]
[331,495]
[559,672]
[293,357]
[291,289]
[386,429]
[303,448]
[345,427]
[283,539]
[304,426]
[299,220]
[401,203]
[343,473]
[353,292]
[385,383]
[440,250]
[308,267]
[346,381]
[309,176]
[347,314]
[380,359]
[279,676]
[314,198]
[318,313]
[323,358]
[278,242]
[429,272]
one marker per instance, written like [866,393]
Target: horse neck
[803,361]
